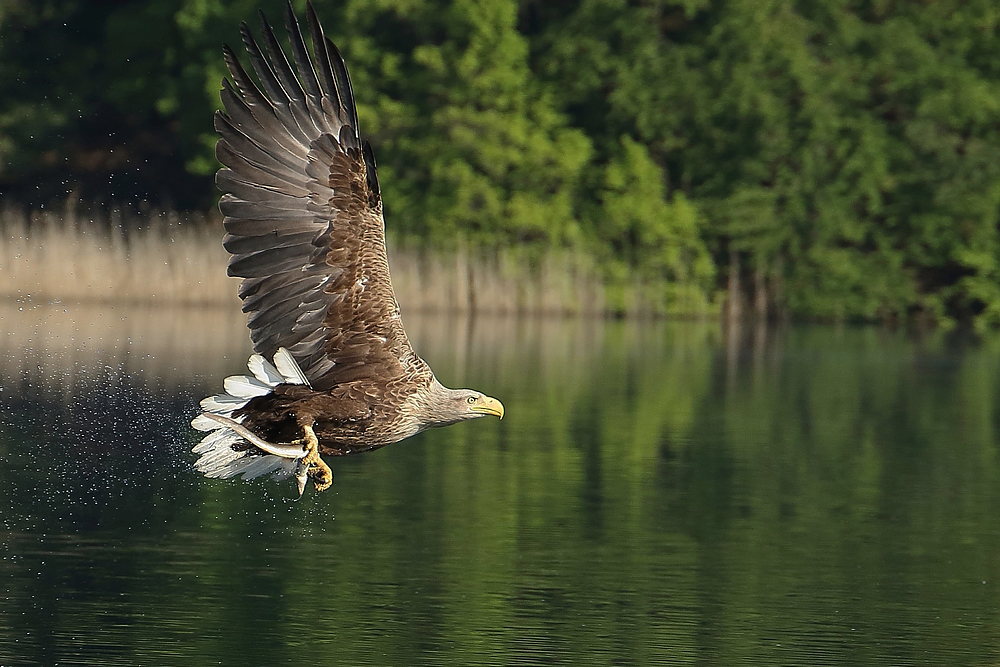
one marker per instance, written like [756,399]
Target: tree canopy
[837,159]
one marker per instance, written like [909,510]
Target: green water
[663,493]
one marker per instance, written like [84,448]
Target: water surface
[658,493]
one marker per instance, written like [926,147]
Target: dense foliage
[834,159]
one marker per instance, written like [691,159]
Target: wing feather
[323,61]
[262,209]
[240,245]
[269,174]
[265,75]
[250,189]
[266,262]
[255,118]
[303,214]
[264,113]
[304,65]
[310,123]
[258,293]
[255,153]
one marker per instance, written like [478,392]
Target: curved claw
[321,474]
[312,465]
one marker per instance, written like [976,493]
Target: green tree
[469,142]
[846,152]
[647,235]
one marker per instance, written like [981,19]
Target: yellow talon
[321,474]
[311,465]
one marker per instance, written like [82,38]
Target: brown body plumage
[303,216]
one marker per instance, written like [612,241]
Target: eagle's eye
[470,400]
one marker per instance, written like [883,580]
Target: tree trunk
[734,299]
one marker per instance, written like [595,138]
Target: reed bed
[167,258]
[114,257]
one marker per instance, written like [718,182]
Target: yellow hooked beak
[489,406]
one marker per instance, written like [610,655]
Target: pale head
[441,406]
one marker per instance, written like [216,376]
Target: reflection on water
[658,493]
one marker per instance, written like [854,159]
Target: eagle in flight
[303,217]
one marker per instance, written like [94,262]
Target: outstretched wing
[303,214]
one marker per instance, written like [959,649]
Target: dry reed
[163,258]
[64,256]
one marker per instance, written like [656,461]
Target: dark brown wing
[304,217]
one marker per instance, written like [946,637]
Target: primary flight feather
[303,217]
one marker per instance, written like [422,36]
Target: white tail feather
[203,423]
[261,465]
[241,386]
[218,458]
[213,440]
[264,370]
[289,368]
[222,404]
[227,469]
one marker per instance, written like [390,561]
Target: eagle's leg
[311,465]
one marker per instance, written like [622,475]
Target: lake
[658,493]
